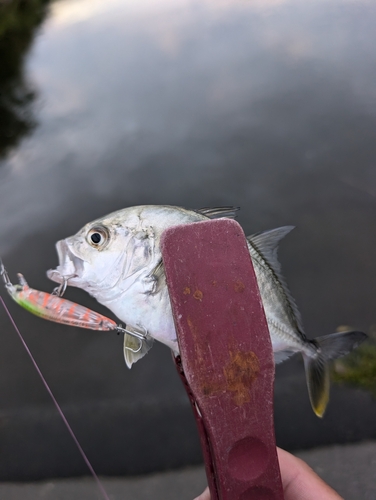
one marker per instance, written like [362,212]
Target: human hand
[299,481]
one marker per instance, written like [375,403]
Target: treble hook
[8,284]
[135,351]
[4,274]
[60,290]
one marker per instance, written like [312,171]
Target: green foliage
[358,368]
[19,20]
[20,15]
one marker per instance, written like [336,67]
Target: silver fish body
[117,259]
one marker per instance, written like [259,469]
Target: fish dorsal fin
[133,343]
[218,212]
[266,244]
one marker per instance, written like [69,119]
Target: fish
[117,259]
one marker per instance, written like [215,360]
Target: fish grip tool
[226,360]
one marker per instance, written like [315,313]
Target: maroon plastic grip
[226,359]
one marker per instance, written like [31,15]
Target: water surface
[270,106]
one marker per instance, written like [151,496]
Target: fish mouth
[70,266]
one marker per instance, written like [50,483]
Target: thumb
[204,496]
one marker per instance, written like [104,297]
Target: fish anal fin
[280,356]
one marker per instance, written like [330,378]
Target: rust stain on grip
[240,372]
[195,334]
[198,295]
[239,286]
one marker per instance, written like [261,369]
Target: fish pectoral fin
[218,212]
[158,272]
[157,277]
[132,350]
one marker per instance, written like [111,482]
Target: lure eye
[98,237]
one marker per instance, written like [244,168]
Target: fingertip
[204,496]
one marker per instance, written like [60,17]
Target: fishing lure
[54,308]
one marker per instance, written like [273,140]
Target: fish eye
[98,236]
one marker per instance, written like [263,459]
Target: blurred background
[269,105]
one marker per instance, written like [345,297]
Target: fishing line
[70,430]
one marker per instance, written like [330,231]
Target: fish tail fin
[328,347]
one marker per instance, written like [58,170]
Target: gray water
[266,105]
